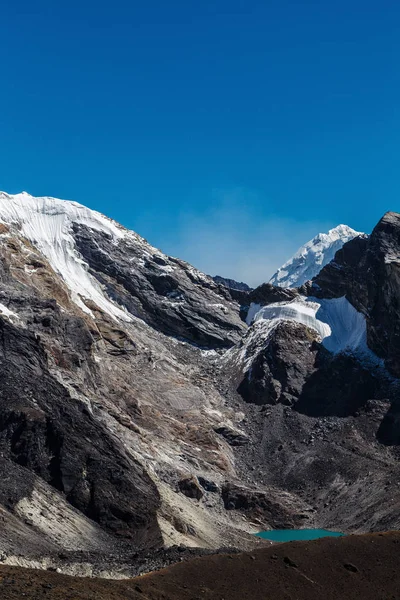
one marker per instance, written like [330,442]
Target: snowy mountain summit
[312,257]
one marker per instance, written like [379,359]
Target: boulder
[189,486]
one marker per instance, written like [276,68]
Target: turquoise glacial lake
[292,535]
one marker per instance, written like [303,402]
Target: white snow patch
[30,271]
[219,306]
[6,312]
[209,353]
[340,326]
[47,223]
[166,268]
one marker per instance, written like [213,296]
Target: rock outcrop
[280,369]
[367,272]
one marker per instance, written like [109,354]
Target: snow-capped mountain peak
[312,257]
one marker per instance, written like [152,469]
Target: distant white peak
[47,223]
[312,257]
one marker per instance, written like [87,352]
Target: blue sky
[225,132]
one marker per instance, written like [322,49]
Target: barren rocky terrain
[144,405]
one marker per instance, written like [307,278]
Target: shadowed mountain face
[139,409]
[367,271]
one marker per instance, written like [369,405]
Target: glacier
[341,327]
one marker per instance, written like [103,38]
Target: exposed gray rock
[166,293]
[191,488]
[270,507]
[232,436]
[281,366]
[49,434]
[232,284]
[367,272]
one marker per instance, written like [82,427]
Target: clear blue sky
[226,131]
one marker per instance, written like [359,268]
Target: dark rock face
[267,506]
[293,369]
[280,370]
[367,272]
[191,488]
[208,486]
[389,429]
[233,437]
[170,297]
[267,293]
[340,387]
[44,431]
[232,284]
[263,294]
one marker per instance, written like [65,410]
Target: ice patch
[348,326]
[6,312]
[253,310]
[340,326]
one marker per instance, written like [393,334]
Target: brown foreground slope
[356,567]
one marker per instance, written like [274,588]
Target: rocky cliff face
[138,408]
[367,271]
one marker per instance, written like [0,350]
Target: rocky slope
[108,404]
[144,405]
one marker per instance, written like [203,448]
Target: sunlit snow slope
[312,257]
[47,223]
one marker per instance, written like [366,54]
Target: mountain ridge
[138,409]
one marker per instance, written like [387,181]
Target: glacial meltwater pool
[291,535]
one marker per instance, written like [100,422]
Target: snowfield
[312,257]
